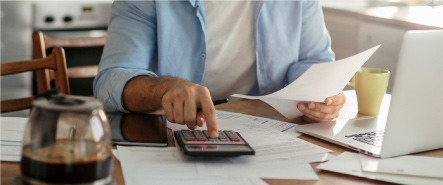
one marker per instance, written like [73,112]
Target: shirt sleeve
[129,51]
[315,43]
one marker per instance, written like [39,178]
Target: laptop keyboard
[374,138]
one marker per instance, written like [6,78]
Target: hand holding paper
[320,81]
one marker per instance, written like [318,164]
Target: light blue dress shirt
[161,38]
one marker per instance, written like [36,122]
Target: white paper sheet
[405,165]
[320,81]
[270,139]
[322,157]
[139,164]
[193,180]
[115,152]
[12,129]
[277,169]
[227,120]
[349,163]
[279,146]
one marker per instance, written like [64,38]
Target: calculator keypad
[202,137]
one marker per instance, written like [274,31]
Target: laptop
[414,122]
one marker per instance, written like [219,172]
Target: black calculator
[198,143]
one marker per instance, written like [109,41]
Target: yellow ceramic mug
[370,85]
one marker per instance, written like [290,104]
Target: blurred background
[354,26]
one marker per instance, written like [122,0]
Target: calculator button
[231,135]
[229,132]
[235,139]
[188,135]
[199,135]
[205,132]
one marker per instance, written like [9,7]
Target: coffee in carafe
[67,141]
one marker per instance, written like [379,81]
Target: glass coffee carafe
[67,140]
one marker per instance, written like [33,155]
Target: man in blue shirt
[179,55]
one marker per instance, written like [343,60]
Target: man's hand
[321,112]
[182,102]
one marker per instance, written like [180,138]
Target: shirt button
[203,55]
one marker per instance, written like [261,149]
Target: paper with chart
[225,121]
[349,163]
[320,81]
[12,129]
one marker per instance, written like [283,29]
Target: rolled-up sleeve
[129,51]
[315,41]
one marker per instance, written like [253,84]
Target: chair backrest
[42,42]
[55,61]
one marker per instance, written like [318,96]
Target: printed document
[148,165]
[320,81]
[405,165]
[12,129]
[349,163]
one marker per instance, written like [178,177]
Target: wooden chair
[55,61]
[41,43]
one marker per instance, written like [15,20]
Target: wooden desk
[258,108]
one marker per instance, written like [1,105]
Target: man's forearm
[144,93]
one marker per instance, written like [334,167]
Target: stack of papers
[11,138]
[402,170]
[279,155]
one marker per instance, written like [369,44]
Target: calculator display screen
[138,129]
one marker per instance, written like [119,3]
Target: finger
[200,119]
[190,113]
[339,99]
[168,109]
[209,114]
[321,107]
[192,126]
[302,106]
[316,119]
[178,112]
[320,115]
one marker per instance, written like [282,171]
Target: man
[157,54]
